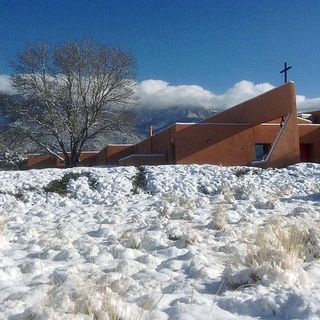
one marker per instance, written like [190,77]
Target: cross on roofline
[285,71]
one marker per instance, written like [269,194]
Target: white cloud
[160,94]
[240,92]
[305,105]
[5,85]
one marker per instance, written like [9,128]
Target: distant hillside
[158,118]
[145,116]
[162,118]
[4,120]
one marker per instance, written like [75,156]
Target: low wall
[143,159]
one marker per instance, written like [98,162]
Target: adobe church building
[264,131]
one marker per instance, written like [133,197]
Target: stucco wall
[40,162]
[142,159]
[113,153]
[310,134]
[214,144]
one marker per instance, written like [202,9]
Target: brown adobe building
[264,131]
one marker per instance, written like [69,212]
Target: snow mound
[163,242]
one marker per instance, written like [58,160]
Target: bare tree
[72,93]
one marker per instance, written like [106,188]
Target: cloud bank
[304,104]
[160,94]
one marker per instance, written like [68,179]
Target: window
[261,151]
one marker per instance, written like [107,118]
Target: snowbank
[165,242]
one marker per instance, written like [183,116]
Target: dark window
[262,151]
[305,152]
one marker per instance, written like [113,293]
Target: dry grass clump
[219,217]
[241,191]
[274,254]
[89,301]
[3,223]
[183,233]
[3,228]
[176,207]
[130,239]
[100,304]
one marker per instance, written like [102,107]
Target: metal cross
[285,71]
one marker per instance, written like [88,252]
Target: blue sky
[210,43]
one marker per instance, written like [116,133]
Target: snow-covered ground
[165,242]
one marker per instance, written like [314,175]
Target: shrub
[241,172]
[139,181]
[21,195]
[203,189]
[60,186]
[11,160]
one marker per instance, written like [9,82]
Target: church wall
[264,108]
[310,134]
[266,133]
[143,146]
[214,144]
[40,162]
[143,159]
[285,149]
[113,153]
[160,143]
[88,158]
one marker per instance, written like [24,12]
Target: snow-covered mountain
[4,120]
[158,118]
[144,117]
[162,118]
[194,242]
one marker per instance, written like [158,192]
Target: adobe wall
[40,162]
[310,134]
[160,142]
[88,158]
[143,147]
[48,161]
[113,153]
[269,106]
[157,144]
[285,150]
[214,144]
[266,133]
[143,159]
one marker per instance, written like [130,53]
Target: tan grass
[219,217]
[274,253]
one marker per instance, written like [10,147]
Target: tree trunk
[72,160]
